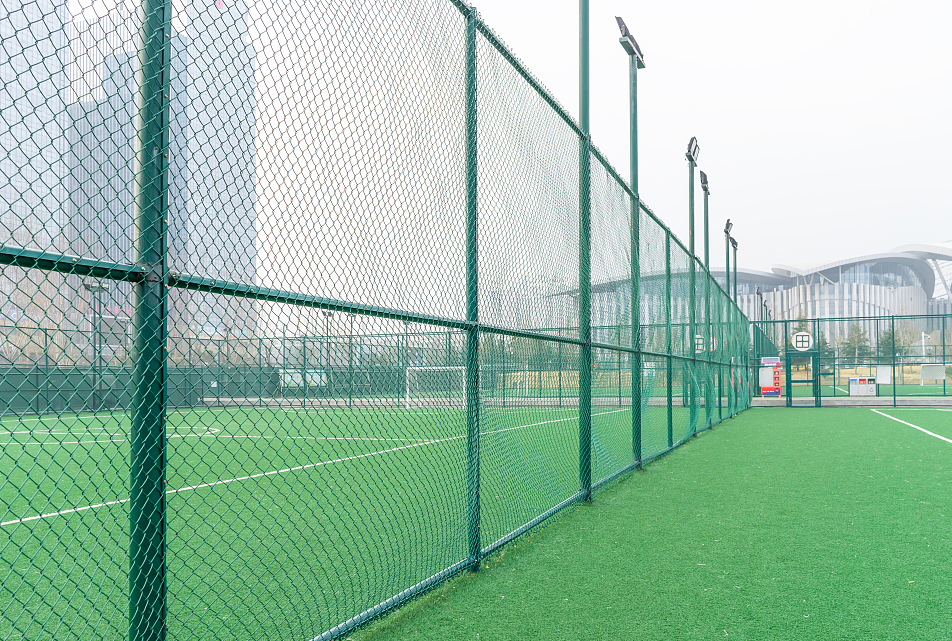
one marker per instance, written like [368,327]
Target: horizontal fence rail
[294,325]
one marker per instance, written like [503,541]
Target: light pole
[727,256]
[691,155]
[734,244]
[636,61]
[708,347]
[707,233]
[585,261]
[96,289]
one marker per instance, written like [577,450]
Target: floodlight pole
[709,330]
[727,257]
[734,243]
[635,61]
[585,264]
[691,155]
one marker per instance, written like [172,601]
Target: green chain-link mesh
[290,315]
[907,356]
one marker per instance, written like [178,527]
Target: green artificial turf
[780,524]
[282,522]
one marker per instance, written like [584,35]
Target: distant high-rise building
[212,224]
[34,53]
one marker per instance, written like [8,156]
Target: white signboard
[802,341]
[932,373]
[699,344]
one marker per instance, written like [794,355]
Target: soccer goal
[436,387]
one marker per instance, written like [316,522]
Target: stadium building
[908,280]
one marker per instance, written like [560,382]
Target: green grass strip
[780,524]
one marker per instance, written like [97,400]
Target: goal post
[435,386]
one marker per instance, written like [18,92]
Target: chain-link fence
[303,313]
[866,359]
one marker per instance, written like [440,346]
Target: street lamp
[629,44]
[727,256]
[636,61]
[96,289]
[707,234]
[734,244]
[691,155]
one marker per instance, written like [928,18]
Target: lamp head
[728,227]
[693,150]
[629,44]
[734,243]
[704,184]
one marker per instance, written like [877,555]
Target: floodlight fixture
[629,44]
[693,149]
[728,227]
[704,185]
[733,242]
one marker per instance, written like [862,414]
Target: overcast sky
[824,126]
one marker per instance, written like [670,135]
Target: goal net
[436,387]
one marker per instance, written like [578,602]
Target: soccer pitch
[274,508]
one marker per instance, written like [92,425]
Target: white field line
[287,469]
[841,389]
[119,415]
[947,440]
[211,431]
[111,432]
[310,438]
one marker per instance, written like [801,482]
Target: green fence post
[472,297]
[667,322]
[147,510]
[722,346]
[46,367]
[539,367]
[560,374]
[585,266]
[708,335]
[892,321]
[350,364]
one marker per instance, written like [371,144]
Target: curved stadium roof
[916,257]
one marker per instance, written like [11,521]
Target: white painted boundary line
[947,440]
[293,469]
[211,431]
